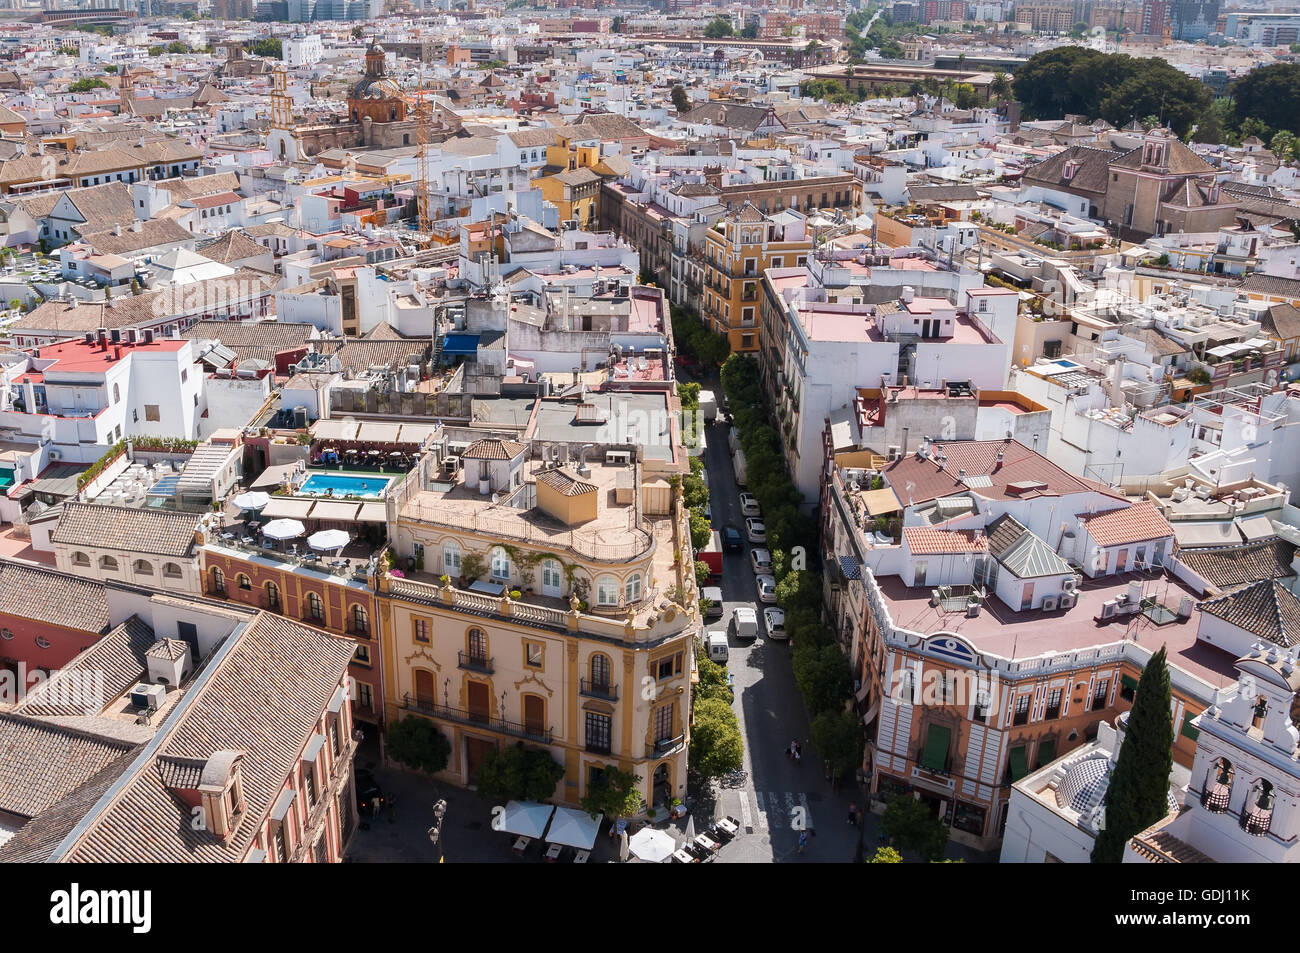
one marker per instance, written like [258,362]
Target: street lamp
[435,832]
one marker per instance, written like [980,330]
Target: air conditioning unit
[1108,609]
[1071,584]
[618,458]
[1068,599]
[894,452]
[145,695]
[1049,603]
[56,455]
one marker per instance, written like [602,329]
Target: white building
[301,50]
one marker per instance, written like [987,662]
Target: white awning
[526,818]
[573,828]
[372,513]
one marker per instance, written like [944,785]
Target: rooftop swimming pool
[341,484]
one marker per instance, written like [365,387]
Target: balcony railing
[478,719]
[598,747]
[664,746]
[475,663]
[597,689]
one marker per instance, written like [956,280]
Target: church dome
[1083,787]
[376,87]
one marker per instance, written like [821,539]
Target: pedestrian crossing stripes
[782,810]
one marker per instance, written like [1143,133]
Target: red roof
[79,357]
[1021,468]
[923,541]
[1133,524]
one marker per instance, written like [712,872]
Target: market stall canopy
[526,818]
[573,828]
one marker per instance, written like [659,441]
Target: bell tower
[280,140]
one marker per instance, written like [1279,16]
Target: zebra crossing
[781,810]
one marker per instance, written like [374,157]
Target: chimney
[137,225]
[117,353]
[117,229]
[905,440]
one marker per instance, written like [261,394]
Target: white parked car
[774,623]
[766,589]
[744,622]
[749,505]
[756,531]
[760,560]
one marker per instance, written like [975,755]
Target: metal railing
[597,689]
[475,663]
[664,746]
[478,719]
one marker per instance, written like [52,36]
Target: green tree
[69,51]
[822,674]
[718,28]
[268,46]
[1138,793]
[907,822]
[1251,126]
[110,68]
[1271,95]
[701,531]
[838,738]
[1283,145]
[750,32]
[887,855]
[713,681]
[87,84]
[717,747]
[417,743]
[1001,85]
[1080,30]
[516,773]
[616,26]
[358,32]
[614,794]
[176,46]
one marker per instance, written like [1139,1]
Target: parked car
[732,541]
[774,623]
[766,588]
[760,560]
[744,622]
[749,505]
[714,595]
[717,646]
[756,531]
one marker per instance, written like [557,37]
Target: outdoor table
[248,541]
[727,826]
[553,853]
[682,857]
[706,842]
[521,845]
[581,856]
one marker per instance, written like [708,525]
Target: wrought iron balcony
[475,663]
[597,689]
[478,719]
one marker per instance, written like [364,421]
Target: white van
[716,643]
[745,623]
[714,595]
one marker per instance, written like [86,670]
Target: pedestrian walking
[853,813]
[803,841]
[798,752]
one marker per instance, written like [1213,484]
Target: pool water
[370,487]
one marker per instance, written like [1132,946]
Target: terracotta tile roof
[120,655]
[285,672]
[1265,608]
[231,247]
[46,595]
[1271,285]
[41,762]
[40,836]
[1024,474]
[565,483]
[924,541]
[151,233]
[127,529]
[1128,524]
[1282,321]
[1226,567]
[1090,176]
[1157,846]
[493,448]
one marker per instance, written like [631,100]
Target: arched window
[632,588]
[500,564]
[80,559]
[108,563]
[1261,712]
[171,571]
[244,582]
[1257,813]
[218,581]
[476,645]
[451,558]
[117,394]
[1218,786]
[315,608]
[360,624]
[272,596]
[600,671]
[606,591]
[143,567]
[534,715]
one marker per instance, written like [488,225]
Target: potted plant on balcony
[515,594]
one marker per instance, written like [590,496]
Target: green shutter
[1189,729]
[935,756]
[1019,767]
[1046,751]
[1129,682]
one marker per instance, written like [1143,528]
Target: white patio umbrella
[283,529]
[328,539]
[573,828]
[526,818]
[254,500]
[652,845]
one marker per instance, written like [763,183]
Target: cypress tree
[1138,794]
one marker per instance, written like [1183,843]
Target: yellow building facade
[738,249]
[577,640]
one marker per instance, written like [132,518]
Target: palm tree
[1001,85]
